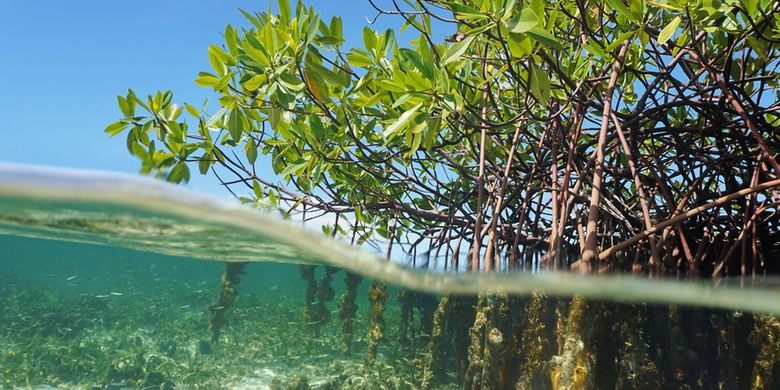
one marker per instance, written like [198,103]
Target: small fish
[273,288]
[184,307]
[71,278]
[102,296]
[118,294]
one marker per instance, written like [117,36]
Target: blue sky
[63,63]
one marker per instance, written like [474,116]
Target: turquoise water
[114,282]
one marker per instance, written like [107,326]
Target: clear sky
[64,62]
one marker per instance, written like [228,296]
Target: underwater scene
[113,282]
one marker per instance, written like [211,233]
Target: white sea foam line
[143,194]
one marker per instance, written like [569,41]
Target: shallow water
[110,281]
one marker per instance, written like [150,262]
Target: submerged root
[307,273]
[377,296]
[636,368]
[227,295]
[433,366]
[315,311]
[463,315]
[348,310]
[605,344]
[325,294]
[426,305]
[477,334]
[766,338]
[487,349]
[734,353]
[536,345]
[571,367]
[407,317]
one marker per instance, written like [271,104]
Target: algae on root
[433,361]
[315,311]
[377,296]
[408,301]
[488,343]
[307,273]
[537,344]
[227,295]
[766,337]
[348,310]
[571,367]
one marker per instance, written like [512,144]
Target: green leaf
[206,79]
[252,19]
[291,82]
[358,59]
[455,50]
[593,48]
[369,39]
[751,6]
[255,54]
[257,189]
[314,24]
[235,124]
[622,38]
[294,168]
[544,37]
[508,8]
[524,21]
[621,9]
[255,82]
[637,8]
[400,122]
[116,128]
[667,32]
[416,59]
[540,84]
[284,10]
[179,173]
[125,106]
[204,164]
[231,39]
[251,151]
[519,45]
[192,110]
[466,11]
[416,139]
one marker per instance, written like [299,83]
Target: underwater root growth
[377,296]
[315,311]
[348,310]
[488,344]
[766,337]
[227,295]
[571,366]
[434,362]
[537,343]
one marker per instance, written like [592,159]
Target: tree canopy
[534,133]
